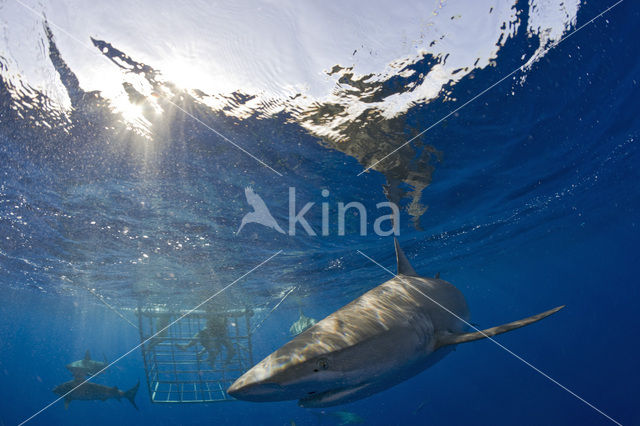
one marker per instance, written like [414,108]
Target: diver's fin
[131,394]
[87,355]
[454,339]
[404,267]
[67,401]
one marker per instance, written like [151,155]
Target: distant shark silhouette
[78,389]
[86,367]
[382,338]
[301,324]
[260,213]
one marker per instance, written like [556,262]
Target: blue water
[533,204]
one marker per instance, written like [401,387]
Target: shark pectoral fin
[454,339]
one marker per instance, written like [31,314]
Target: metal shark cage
[177,367]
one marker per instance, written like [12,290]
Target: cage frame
[210,380]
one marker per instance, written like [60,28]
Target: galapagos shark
[86,367]
[380,339]
[87,391]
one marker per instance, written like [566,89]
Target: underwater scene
[319,213]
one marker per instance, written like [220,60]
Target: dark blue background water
[533,205]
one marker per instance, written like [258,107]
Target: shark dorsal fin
[87,355]
[404,267]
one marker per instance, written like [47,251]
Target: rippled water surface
[133,136]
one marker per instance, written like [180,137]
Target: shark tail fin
[87,355]
[131,394]
[454,339]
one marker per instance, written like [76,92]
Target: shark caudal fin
[131,394]
[404,267]
[454,339]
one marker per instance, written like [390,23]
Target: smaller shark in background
[85,367]
[301,324]
[88,391]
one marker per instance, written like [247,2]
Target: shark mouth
[335,397]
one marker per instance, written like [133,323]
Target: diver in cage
[161,335]
[213,337]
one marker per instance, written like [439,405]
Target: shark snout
[268,381]
[255,391]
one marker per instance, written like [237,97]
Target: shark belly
[394,373]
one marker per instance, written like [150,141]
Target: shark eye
[321,364]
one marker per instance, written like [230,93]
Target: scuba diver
[213,337]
